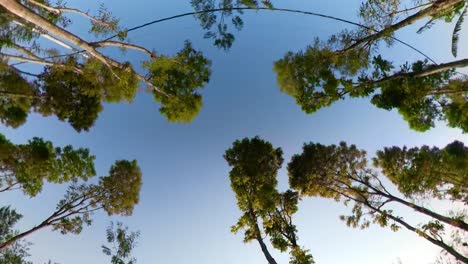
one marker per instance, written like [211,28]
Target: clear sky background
[186,206]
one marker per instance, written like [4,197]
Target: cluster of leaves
[347,65]
[319,76]
[177,79]
[116,194]
[18,252]
[70,90]
[215,22]
[29,165]
[121,243]
[425,171]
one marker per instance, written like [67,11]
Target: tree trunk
[19,10]
[441,244]
[22,235]
[258,237]
[431,10]
[448,220]
[429,71]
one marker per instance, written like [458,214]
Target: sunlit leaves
[116,194]
[178,78]
[121,188]
[315,77]
[30,165]
[421,171]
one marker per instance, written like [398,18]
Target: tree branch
[123,45]
[60,10]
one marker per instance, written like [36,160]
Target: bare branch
[124,45]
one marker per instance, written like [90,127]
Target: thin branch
[124,45]
[10,187]
[411,8]
[29,60]
[38,61]
[60,10]
[25,51]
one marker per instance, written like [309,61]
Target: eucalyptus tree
[115,194]
[255,163]
[348,65]
[342,173]
[73,85]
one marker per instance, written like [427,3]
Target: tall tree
[422,92]
[73,86]
[341,173]
[115,194]
[255,163]
[348,65]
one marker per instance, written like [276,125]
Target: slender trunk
[429,71]
[429,11]
[448,220]
[22,235]
[16,8]
[265,251]
[436,242]
[258,237]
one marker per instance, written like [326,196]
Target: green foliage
[341,173]
[16,98]
[313,77]
[75,92]
[427,171]
[254,163]
[178,79]
[116,194]
[301,256]
[29,165]
[105,23]
[318,168]
[121,243]
[121,188]
[215,23]
[18,252]
[456,30]
[320,76]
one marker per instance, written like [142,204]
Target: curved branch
[123,45]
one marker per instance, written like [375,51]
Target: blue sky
[186,205]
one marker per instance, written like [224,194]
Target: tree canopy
[341,172]
[73,86]
[348,64]
[28,166]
